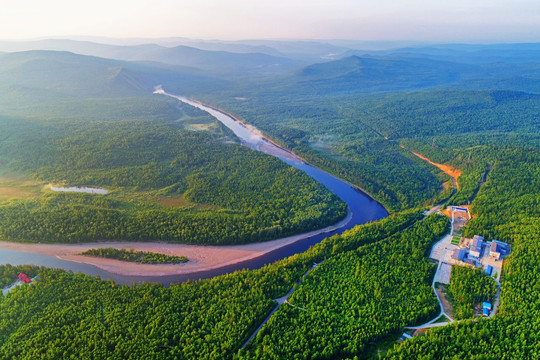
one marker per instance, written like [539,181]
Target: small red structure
[24,278]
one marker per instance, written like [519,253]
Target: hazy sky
[436,20]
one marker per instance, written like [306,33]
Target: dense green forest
[469,287]
[343,145]
[356,298]
[451,112]
[173,172]
[216,316]
[66,315]
[357,136]
[507,208]
[490,135]
[143,257]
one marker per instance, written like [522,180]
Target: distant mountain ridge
[464,53]
[187,70]
[215,62]
[365,74]
[70,74]
[305,50]
[31,78]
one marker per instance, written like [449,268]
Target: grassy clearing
[200,127]
[18,188]
[181,202]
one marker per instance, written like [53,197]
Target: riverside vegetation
[356,298]
[167,182]
[208,318]
[143,257]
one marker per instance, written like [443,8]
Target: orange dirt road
[454,173]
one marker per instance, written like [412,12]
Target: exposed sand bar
[201,258]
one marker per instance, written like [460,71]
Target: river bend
[362,209]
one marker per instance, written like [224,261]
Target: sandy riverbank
[271,149]
[201,258]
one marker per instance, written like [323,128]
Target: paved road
[432,323]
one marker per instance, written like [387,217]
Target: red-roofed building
[24,278]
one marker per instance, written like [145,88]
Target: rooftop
[477,243]
[459,254]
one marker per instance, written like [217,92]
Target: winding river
[361,206]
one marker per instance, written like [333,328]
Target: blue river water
[362,207]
